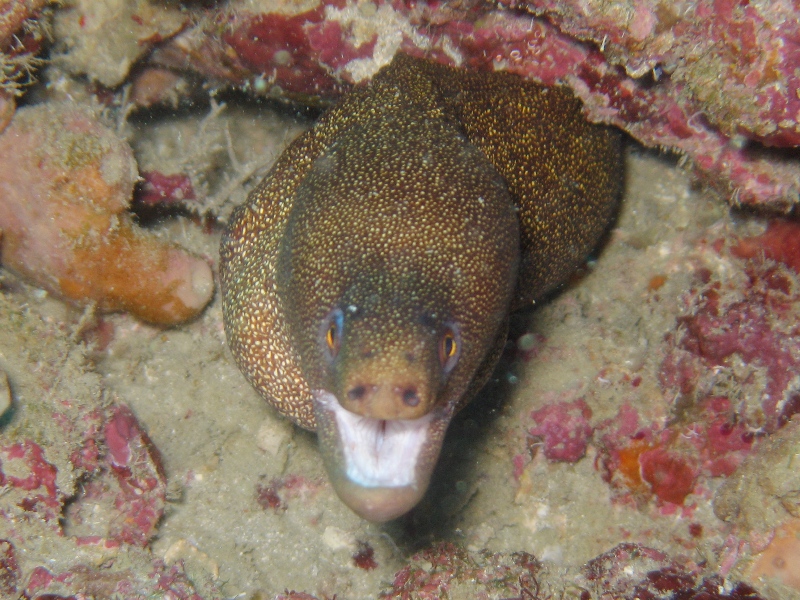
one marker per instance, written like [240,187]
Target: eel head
[396,272]
[380,415]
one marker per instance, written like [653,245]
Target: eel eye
[331,333]
[450,348]
[332,336]
[449,345]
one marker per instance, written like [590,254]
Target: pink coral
[83,482]
[669,462]
[66,182]
[725,72]
[725,324]
[564,429]
[158,188]
[636,571]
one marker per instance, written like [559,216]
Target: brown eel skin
[368,280]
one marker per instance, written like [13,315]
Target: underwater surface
[636,439]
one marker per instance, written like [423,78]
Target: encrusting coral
[64,189]
[712,80]
[83,487]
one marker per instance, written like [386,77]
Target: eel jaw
[379,468]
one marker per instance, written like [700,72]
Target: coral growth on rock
[710,415]
[710,79]
[105,39]
[563,429]
[82,484]
[727,373]
[21,38]
[636,571]
[66,183]
[737,336]
[439,572]
[668,462]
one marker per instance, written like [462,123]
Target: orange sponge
[65,184]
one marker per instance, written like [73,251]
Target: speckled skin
[430,200]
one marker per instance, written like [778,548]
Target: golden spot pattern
[430,195]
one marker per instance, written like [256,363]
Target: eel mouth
[379,468]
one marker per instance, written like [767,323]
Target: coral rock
[134,488]
[763,493]
[83,487]
[729,325]
[103,39]
[635,571]
[781,558]
[65,183]
[669,461]
[780,242]
[703,79]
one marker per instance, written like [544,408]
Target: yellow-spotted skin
[379,260]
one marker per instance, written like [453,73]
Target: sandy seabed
[249,506]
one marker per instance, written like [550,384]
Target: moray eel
[368,280]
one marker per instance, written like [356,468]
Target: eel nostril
[357,393]
[410,397]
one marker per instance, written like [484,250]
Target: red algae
[293,595]
[267,496]
[564,430]
[780,242]
[81,486]
[625,571]
[298,52]
[157,188]
[699,81]
[746,323]
[277,44]
[171,582]
[443,566]
[728,352]
[130,483]
[669,462]
[9,569]
[274,494]
[729,367]
[636,571]
[364,557]
[671,477]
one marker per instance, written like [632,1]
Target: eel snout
[380,468]
[387,400]
[392,388]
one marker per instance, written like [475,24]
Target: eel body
[367,281]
